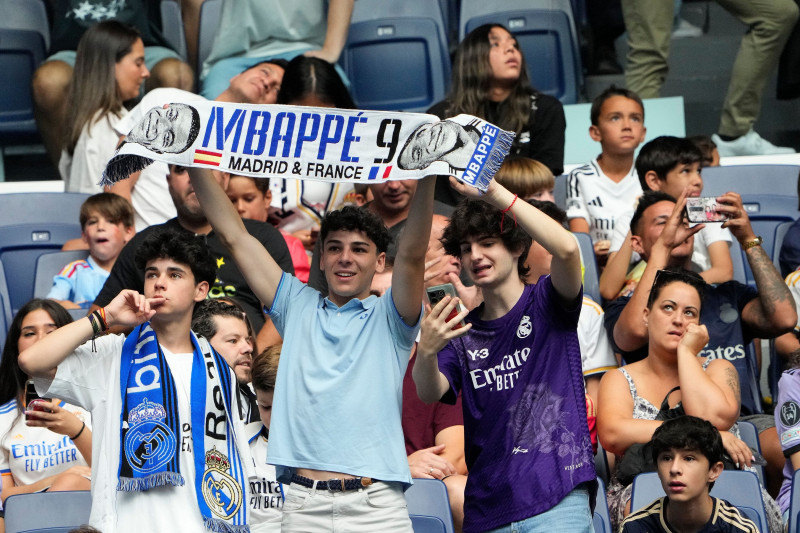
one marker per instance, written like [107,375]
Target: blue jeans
[571,515]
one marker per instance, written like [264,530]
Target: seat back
[601,518]
[32,224]
[749,434]
[741,489]
[546,32]
[210,14]
[391,43]
[591,274]
[50,264]
[5,308]
[428,497]
[28,15]
[172,26]
[49,511]
[426,524]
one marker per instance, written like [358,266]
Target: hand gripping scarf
[151,426]
[333,145]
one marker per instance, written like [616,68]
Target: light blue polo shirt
[79,282]
[338,394]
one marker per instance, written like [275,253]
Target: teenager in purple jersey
[517,364]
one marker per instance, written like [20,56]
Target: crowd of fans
[197,283]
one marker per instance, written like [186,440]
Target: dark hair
[265,368]
[181,247]
[306,76]
[113,207]
[646,200]
[600,99]
[278,62]
[688,433]
[12,378]
[664,153]
[706,146]
[672,275]
[352,218]
[93,89]
[550,209]
[472,76]
[261,184]
[203,322]
[475,218]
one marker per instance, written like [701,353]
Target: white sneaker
[750,144]
[683,28]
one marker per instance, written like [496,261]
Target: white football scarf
[333,145]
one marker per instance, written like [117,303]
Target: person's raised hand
[130,308]
[676,230]
[55,418]
[731,204]
[436,330]
[694,338]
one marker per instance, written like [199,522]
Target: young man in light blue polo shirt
[336,433]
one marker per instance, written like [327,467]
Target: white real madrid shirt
[92,380]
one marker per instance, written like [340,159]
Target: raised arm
[773,312]
[128,309]
[712,394]
[613,277]
[566,266]
[409,264]
[262,273]
[630,332]
[339,12]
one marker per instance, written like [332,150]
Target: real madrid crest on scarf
[222,493]
[150,422]
[149,442]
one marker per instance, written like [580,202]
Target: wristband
[506,210]
[752,243]
[83,426]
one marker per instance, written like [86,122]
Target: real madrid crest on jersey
[525,327]
[149,443]
[221,491]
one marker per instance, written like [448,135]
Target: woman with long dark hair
[490,81]
[41,450]
[109,69]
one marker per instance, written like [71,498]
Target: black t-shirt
[542,138]
[230,281]
[70,18]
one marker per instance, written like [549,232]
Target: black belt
[334,485]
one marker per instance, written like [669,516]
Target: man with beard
[192,219]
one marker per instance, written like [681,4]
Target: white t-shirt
[597,357]
[83,170]
[152,203]
[266,494]
[598,199]
[702,240]
[30,454]
[92,380]
[301,204]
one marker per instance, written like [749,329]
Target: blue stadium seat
[47,511]
[24,38]
[428,498]
[780,233]
[738,487]
[426,524]
[749,434]
[172,26]
[547,34]
[601,465]
[591,274]
[560,191]
[210,13]
[396,55]
[32,224]
[50,264]
[601,518]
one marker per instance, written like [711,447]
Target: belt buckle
[336,485]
